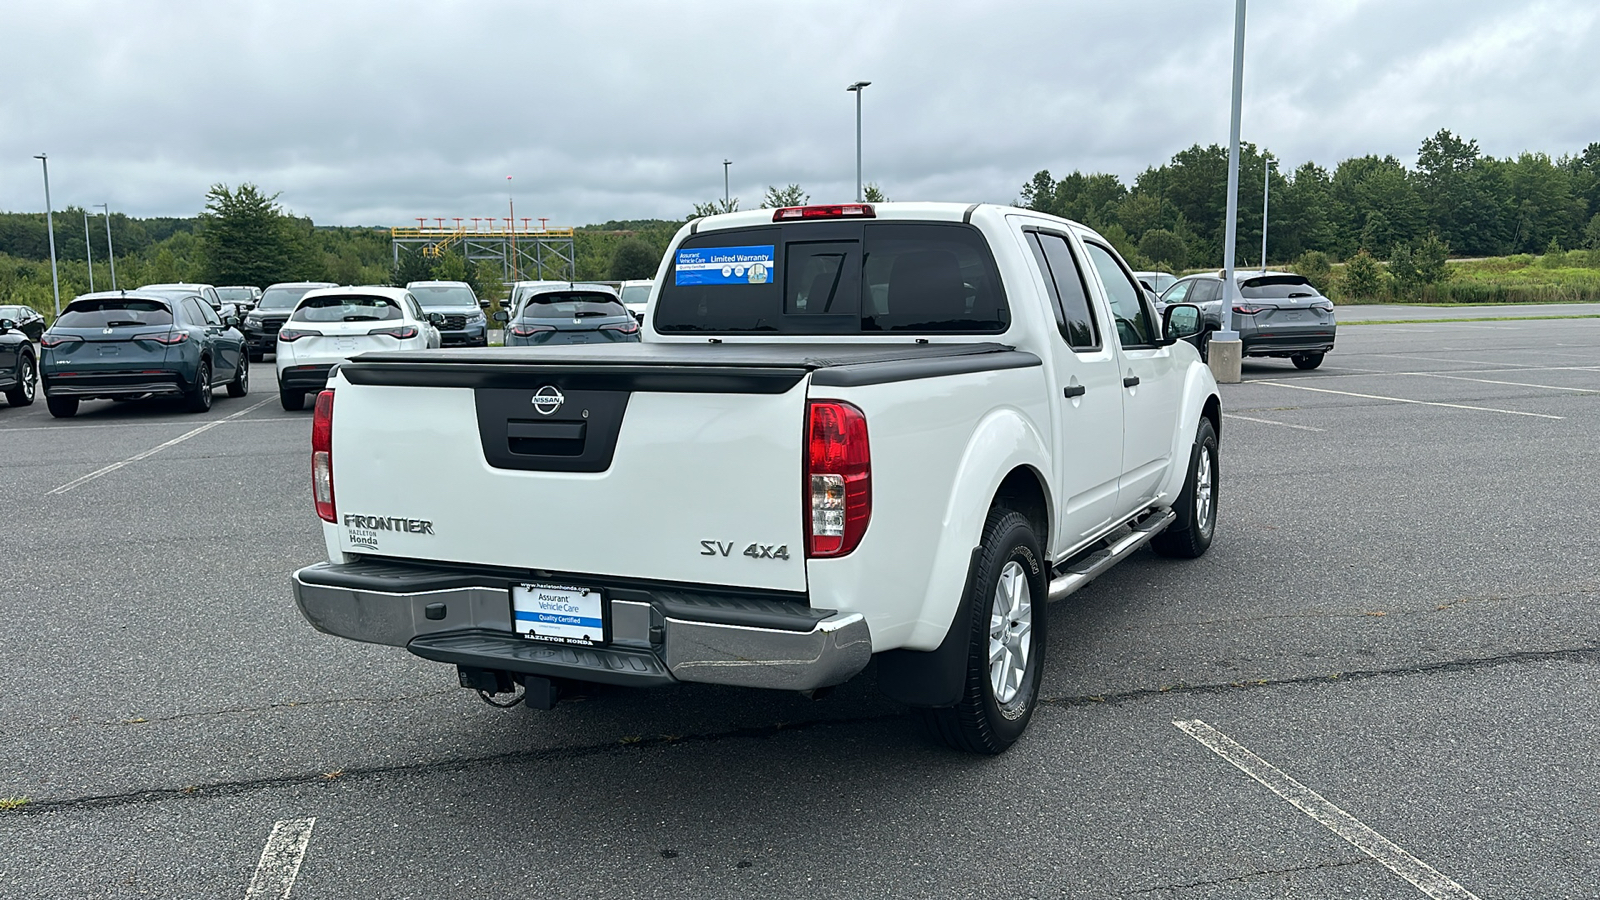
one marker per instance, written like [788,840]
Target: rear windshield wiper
[122,323]
[363,318]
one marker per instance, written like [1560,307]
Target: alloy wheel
[1010,632]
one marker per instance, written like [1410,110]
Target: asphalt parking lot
[1399,615]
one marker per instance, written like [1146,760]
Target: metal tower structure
[523,253]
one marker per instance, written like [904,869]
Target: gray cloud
[373,113]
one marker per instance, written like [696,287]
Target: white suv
[330,325]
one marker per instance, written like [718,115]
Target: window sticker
[725,265]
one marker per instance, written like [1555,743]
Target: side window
[207,314]
[1061,272]
[1134,327]
[415,308]
[1205,291]
[1177,292]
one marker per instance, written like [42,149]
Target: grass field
[1570,277]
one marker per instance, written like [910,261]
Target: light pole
[88,253]
[111,255]
[726,202]
[50,226]
[1266,195]
[856,89]
[1225,353]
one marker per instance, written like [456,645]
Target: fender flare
[931,670]
[1198,387]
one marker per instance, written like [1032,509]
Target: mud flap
[932,677]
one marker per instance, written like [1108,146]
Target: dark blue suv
[131,344]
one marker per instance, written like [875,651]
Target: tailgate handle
[545,431]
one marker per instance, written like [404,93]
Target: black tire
[1190,535]
[240,385]
[293,401]
[62,407]
[980,722]
[27,376]
[257,355]
[198,399]
[1306,360]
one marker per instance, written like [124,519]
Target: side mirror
[435,319]
[6,325]
[501,316]
[484,304]
[1181,320]
[231,321]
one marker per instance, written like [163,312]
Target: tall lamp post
[111,255]
[1225,353]
[88,253]
[50,225]
[856,89]
[726,194]
[1266,196]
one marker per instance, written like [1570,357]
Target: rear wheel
[1306,360]
[22,393]
[199,399]
[1005,625]
[240,385]
[62,407]
[1190,535]
[293,401]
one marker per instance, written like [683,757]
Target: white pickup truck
[850,432]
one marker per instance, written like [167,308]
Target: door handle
[1130,381]
[1073,390]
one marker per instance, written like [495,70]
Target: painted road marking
[160,424]
[82,479]
[1509,412]
[1424,877]
[1548,387]
[280,859]
[1269,422]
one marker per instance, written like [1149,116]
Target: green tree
[871,193]
[636,259]
[1362,279]
[1164,248]
[1404,278]
[1457,193]
[785,196]
[1317,268]
[1431,257]
[246,238]
[414,265]
[715,208]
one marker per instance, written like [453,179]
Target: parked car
[25,319]
[562,314]
[636,296]
[207,293]
[330,325]
[1279,314]
[272,310]
[1155,281]
[242,296]
[19,368]
[853,431]
[129,344]
[464,322]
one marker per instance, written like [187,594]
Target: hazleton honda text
[848,432]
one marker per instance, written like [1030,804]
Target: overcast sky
[373,113]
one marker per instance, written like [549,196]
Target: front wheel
[1190,535]
[22,393]
[199,399]
[62,407]
[1005,624]
[1306,360]
[240,385]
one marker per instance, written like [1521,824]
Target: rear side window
[1177,292]
[115,312]
[347,308]
[1277,287]
[572,304]
[1205,290]
[834,278]
[1065,279]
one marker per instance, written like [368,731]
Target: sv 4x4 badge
[754,551]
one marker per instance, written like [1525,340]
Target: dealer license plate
[562,614]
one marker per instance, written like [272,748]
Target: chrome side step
[1091,567]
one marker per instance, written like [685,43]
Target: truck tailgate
[636,474]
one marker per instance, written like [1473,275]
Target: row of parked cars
[186,340]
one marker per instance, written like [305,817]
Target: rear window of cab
[834,278]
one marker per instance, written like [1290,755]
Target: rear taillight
[290,335]
[1250,309]
[322,456]
[401,332]
[524,330]
[1323,305]
[56,340]
[629,327]
[169,337]
[836,211]
[838,485]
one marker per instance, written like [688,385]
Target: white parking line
[1424,877]
[152,451]
[1548,387]
[280,860]
[1509,412]
[1269,422]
